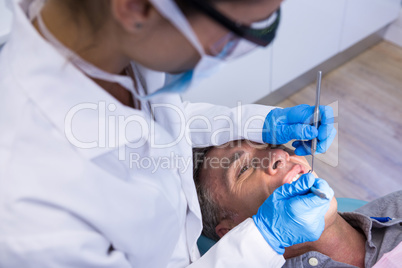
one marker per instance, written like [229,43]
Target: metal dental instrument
[314,141]
[318,193]
[316,117]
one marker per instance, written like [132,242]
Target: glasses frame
[261,37]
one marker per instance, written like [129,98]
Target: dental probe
[314,190]
[316,117]
[318,193]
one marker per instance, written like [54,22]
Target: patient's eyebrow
[232,159]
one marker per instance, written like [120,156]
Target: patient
[233,180]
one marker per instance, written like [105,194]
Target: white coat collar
[56,87]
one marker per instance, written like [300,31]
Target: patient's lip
[296,169]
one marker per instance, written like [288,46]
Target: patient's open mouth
[295,173]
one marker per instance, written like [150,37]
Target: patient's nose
[278,160]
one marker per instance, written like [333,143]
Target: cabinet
[364,17]
[308,35]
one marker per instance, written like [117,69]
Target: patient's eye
[244,169]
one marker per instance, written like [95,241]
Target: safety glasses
[240,40]
[260,33]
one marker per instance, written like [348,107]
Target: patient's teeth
[296,177]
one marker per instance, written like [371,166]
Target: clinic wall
[311,32]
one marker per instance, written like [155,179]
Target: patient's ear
[223,227]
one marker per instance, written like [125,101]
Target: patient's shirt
[382,237]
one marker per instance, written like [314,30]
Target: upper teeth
[296,177]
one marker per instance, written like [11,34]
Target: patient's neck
[340,241]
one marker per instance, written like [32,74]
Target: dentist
[91,120]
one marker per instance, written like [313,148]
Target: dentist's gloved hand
[284,125]
[293,215]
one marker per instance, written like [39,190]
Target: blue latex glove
[292,214]
[284,125]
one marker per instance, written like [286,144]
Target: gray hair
[212,212]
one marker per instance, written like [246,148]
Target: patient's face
[242,174]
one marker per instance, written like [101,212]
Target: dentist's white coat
[66,206]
